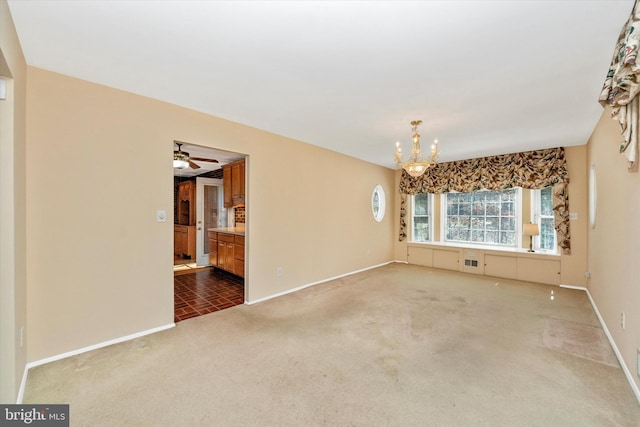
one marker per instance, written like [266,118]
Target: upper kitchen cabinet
[234,185]
[186,203]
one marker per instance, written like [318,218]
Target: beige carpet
[399,345]
[589,342]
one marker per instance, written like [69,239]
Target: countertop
[238,231]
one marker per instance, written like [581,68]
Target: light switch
[161,216]
[573,216]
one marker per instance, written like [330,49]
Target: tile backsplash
[239,215]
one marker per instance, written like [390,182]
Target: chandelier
[416,165]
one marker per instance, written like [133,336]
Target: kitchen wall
[13,165]
[100,266]
[614,243]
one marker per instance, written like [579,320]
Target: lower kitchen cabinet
[213,248]
[238,255]
[226,251]
[184,241]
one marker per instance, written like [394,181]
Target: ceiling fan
[181,159]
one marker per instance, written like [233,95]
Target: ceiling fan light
[180,164]
[180,159]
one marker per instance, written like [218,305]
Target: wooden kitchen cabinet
[177,244]
[237,182]
[226,185]
[226,251]
[186,203]
[238,255]
[233,183]
[184,241]
[213,248]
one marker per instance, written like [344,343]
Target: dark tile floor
[205,291]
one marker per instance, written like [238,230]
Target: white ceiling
[222,157]
[486,77]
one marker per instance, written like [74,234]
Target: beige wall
[614,243]
[99,265]
[13,312]
[573,266]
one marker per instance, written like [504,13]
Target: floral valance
[531,170]
[622,86]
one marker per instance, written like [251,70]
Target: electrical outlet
[622,320]
[279,272]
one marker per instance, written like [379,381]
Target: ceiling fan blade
[193,165]
[202,159]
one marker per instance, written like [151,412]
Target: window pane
[464,209]
[546,202]
[421,228]
[477,236]
[508,209]
[547,234]
[492,223]
[491,236]
[543,210]
[477,223]
[508,224]
[421,204]
[493,209]
[477,208]
[482,217]
[492,196]
[421,217]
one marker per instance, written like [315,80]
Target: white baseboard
[624,366]
[23,384]
[84,350]
[299,288]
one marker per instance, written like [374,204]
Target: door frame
[202,259]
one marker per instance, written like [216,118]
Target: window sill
[485,248]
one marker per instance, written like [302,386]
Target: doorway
[200,286]
[210,213]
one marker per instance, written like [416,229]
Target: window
[378,203]
[542,214]
[421,217]
[485,217]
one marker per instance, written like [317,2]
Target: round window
[378,203]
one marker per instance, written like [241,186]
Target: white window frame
[518,214]
[430,214]
[378,206]
[536,216]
